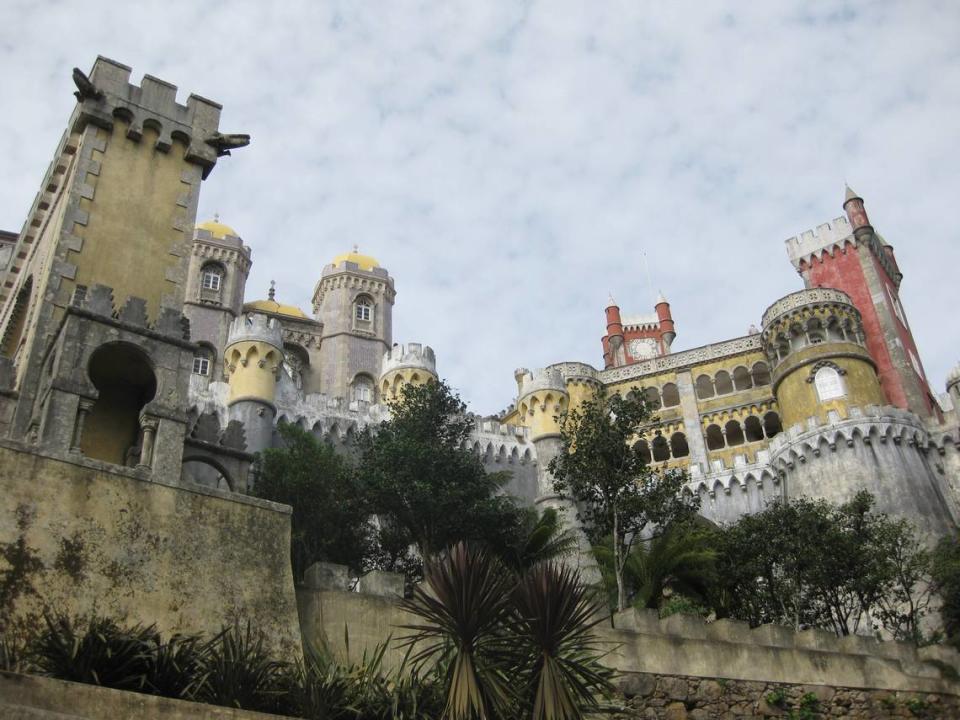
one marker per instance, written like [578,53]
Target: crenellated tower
[354,303]
[410,364]
[252,361]
[851,256]
[633,338]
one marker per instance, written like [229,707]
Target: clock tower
[633,338]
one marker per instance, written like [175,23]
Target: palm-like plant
[464,616]
[542,538]
[681,557]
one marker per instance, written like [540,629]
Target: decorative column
[149,426]
[83,409]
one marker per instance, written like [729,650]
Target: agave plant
[554,618]
[178,666]
[544,537]
[464,619]
[98,651]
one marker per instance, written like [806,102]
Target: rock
[674,688]
[676,711]
[637,684]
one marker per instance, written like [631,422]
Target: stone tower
[252,361]
[410,364]
[91,304]
[634,338]
[216,278]
[851,256]
[354,302]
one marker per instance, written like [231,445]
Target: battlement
[576,371]
[108,95]
[98,300]
[409,355]
[801,298]
[253,327]
[641,322]
[814,243]
[548,378]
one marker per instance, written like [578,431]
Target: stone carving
[85,88]
[223,143]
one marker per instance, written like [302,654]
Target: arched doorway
[125,381]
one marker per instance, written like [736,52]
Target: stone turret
[252,362]
[410,364]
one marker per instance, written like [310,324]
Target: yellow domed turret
[217,229]
[364,262]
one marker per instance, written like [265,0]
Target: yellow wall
[541,410]
[130,233]
[392,382]
[798,399]
[252,368]
[579,391]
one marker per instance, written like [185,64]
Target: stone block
[816,639]
[858,645]
[327,576]
[381,584]
[637,685]
[774,636]
[726,630]
[625,620]
[685,626]
[940,653]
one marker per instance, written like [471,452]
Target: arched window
[652,396]
[211,281]
[741,378]
[704,387]
[203,361]
[723,383]
[670,395]
[771,424]
[643,449]
[678,445]
[296,361]
[761,374]
[734,433]
[661,449]
[815,332]
[362,388]
[363,311]
[714,438]
[835,330]
[753,429]
[828,383]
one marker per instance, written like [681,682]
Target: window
[828,383]
[363,389]
[201,366]
[364,310]
[211,279]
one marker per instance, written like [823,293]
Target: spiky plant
[543,538]
[464,615]
[178,667]
[559,654]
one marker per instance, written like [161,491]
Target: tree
[945,568]
[427,487]
[330,513]
[602,469]
[539,538]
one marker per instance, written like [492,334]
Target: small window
[201,366]
[211,280]
[364,310]
[363,389]
[829,384]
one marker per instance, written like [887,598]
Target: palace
[129,345]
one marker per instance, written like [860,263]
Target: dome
[364,262]
[217,229]
[272,306]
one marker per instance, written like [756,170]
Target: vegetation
[809,563]
[428,489]
[945,568]
[330,513]
[621,499]
[513,645]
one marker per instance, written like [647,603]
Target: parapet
[98,300]
[108,95]
[549,378]
[253,327]
[803,298]
[814,243]
[409,355]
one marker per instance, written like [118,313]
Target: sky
[513,164]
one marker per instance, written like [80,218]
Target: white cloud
[510,162]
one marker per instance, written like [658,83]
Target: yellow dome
[365,262]
[217,229]
[272,306]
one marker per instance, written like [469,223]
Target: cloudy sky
[512,163]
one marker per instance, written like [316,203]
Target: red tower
[639,337]
[851,256]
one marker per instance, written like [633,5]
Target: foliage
[682,605]
[680,559]
[945,568]
[426,486]
[512,645]
[330,514]
[605,473]
[539,538]
[810,563]
[178,666]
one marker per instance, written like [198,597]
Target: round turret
[815,343]
[541,399]
[253,357]
[410,364]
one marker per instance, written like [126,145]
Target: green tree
[427,487]
[945,568]
[602,469]
[538,538]
[331,517]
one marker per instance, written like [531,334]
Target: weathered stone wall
[87,537]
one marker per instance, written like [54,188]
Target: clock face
[643,348]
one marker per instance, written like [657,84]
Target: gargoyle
[85,88]
[223,143]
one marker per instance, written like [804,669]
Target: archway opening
[125,381]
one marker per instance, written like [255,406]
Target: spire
[610,301]
[849,195]
[660,297]
[272,292]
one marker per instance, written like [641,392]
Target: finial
[216,217]
[660,297]
[271,294]
[849,194]
[611,301]
[356,248]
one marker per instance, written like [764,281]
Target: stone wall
[87,537]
